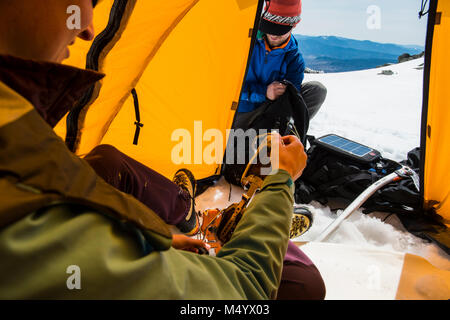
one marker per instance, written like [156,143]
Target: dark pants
[314,94]
[300,278]
[154,190]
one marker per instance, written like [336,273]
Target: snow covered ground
[381,111]
[384,112]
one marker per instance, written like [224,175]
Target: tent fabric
[186,61]
[436,186]
[420,280]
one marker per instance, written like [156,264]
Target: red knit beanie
[280,16]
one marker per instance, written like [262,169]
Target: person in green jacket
[67,234]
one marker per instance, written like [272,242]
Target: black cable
[422,11]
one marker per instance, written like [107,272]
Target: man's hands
[182,242]
[275,90]
[292,156]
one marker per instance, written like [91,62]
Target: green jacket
[56,213]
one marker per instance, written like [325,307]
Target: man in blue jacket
[276,57]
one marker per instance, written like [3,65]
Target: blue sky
[399,22]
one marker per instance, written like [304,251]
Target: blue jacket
[268,66]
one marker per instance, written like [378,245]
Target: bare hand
[275,90]
[182,242]
[292,156]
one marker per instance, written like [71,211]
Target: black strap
[422,11]
[137,123]
[337,183]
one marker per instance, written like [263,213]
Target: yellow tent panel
[437,158]
[186,60]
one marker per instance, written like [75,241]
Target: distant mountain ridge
[338,54]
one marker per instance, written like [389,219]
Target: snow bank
[383,112]
[374,231]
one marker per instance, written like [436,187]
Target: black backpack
[329,175]
[288,114]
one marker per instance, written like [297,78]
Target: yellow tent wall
[436,184]
[186,59]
